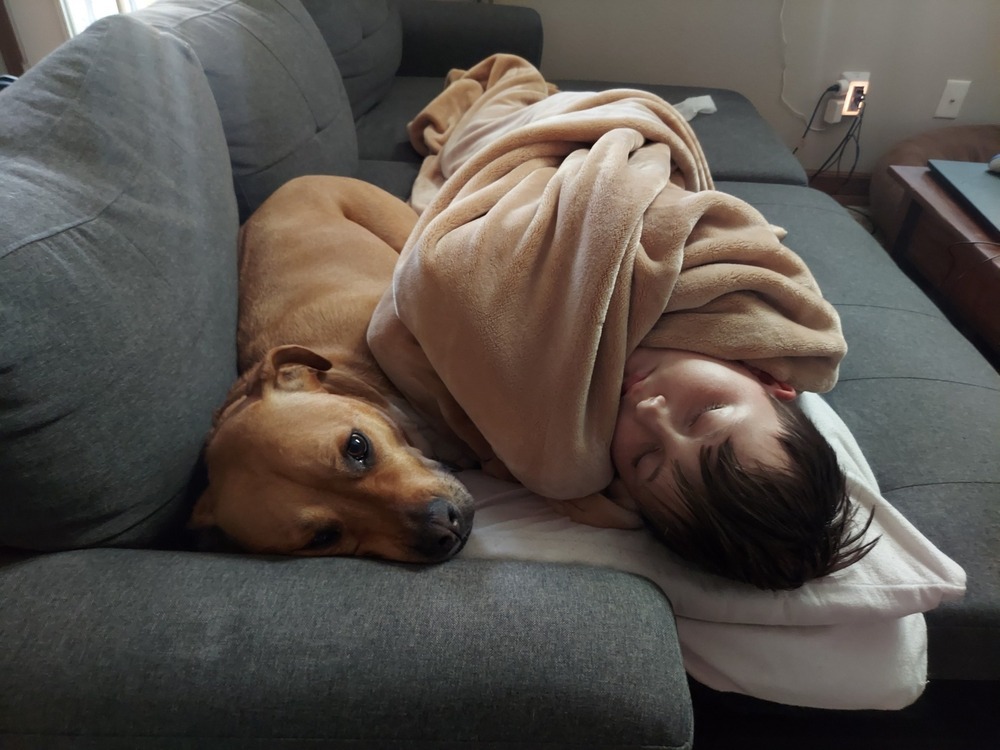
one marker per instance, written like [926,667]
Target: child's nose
[654,414]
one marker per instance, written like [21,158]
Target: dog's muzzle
[444,531]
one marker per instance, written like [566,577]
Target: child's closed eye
[712,407]
[649,464]
[648,451]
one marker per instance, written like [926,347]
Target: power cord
[853,135]
[822,97]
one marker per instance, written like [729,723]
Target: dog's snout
[445,529]
[444,513]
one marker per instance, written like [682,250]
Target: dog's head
[303,460]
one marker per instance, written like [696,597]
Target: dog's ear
[293,368]
[293,354]
[288,368]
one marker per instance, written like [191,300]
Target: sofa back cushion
[283,104]
[117,288]
[366,39]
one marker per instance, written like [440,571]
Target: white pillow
[880,664]
[903,574]
[858,627]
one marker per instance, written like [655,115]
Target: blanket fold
[559,231]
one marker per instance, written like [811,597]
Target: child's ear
[780,390]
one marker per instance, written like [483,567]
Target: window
[81,13]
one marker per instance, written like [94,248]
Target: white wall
[911,47]
[39,26]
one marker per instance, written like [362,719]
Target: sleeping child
[583,310]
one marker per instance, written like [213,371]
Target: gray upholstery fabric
[366,41]
[117,288]
[281,97]
[395,177]
[233,651]
[738,143]
[923,404]
[382,131]
[439,35]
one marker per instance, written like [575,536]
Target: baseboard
[845,188]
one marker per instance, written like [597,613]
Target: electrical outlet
[855,93]
[952,99]
[850,97]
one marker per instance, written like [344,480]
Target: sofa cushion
[175,649]
[117,287]
[439,35]
[366,40]
[395,177]
[283,103]
[382,130]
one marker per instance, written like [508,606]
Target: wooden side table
[954,253]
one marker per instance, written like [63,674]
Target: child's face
[674,403]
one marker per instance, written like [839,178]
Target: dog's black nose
[444,531]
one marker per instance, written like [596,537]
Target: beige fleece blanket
[558,231]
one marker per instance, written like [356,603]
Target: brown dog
[314,451]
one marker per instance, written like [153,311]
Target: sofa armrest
[439,35]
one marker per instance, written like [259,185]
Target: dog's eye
[324,538]
[358,448]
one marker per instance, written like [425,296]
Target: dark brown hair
[773,527]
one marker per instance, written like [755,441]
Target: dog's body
[315,452]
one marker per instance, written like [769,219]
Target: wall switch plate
[952,98]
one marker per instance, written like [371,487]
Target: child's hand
[598,510]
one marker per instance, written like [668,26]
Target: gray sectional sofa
[130,156]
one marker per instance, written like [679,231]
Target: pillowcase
[881,664]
